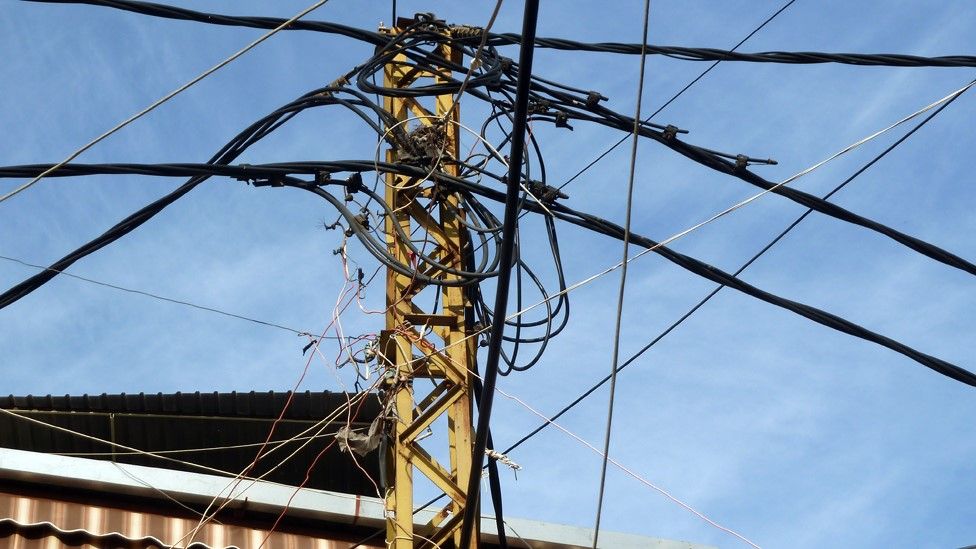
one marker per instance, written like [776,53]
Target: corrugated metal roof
[253,404]
[222,431]
[44,523]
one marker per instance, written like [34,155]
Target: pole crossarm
[415,329]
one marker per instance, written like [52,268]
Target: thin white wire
[163,99]
[232,487]
[514,531]
[193,450]
[238,477]
[671,239]
[745,202]
[617,464]
[728,210]
[623,468]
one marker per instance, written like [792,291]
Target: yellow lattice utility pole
[412,334]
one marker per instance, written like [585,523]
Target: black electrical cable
[712,54]
[504,39]
[506,254]
[559,210]
[717,289]
[199,174]
[714,274]
[174,12]
[680,92]
[805,199]
[715,161]
[494,482]
[610,118]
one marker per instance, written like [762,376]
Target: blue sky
[790,433]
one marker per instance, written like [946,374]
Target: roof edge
[348,509]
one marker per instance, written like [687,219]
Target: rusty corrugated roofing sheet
[44,523]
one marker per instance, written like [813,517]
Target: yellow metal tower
[413,335]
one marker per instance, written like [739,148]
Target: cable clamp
[670,132]
[593,99]
[545,193]
[562,121]
[355,183]
[741,161]
[363,219]
[244,177]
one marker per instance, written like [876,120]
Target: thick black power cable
[529,20]
[229,152]
[715,274]
[679,94]
[494,482]
[817,315]
[717,289]
[282,169]
[278,170]
[713,54]
[677,52]
[570,215]
[715,161]
[174,12]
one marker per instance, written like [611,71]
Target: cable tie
[503,459]
[466,31]
[338,83]
[355,183]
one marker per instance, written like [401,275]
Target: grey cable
[623,278]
